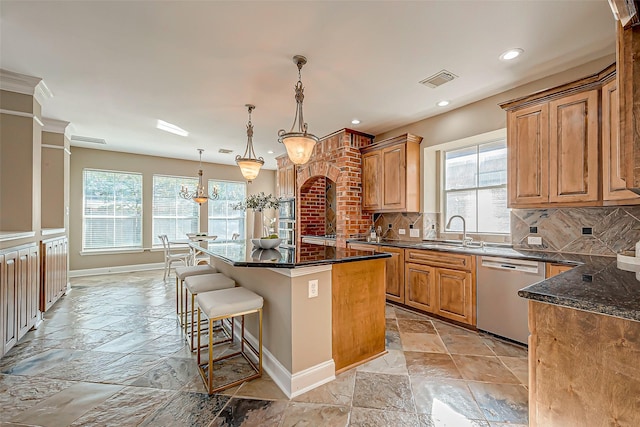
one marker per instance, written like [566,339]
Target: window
[112,210]
[173,215]
[476,188]
[224,221]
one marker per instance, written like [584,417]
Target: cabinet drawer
[363,247]
[440,259]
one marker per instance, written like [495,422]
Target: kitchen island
[308,339]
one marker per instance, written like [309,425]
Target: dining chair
[171,256]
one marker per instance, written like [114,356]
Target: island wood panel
[394,274]
[573,148]
[358,312]
[584,368]
[54,271]
[9,293]
[528,153]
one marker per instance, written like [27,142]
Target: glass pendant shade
[249,164]
[200,195]
[298,142]
[299,147]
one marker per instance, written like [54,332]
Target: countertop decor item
[258,202]
[199,195]
[249,164]
[299,142]
[266,243]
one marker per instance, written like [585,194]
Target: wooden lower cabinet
[440,283]
[420,290]
[19,293]
[555,269]
[456,298]
[394,273]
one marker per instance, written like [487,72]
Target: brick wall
[337,158]
[313,207]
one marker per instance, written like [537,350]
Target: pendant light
[249,164]
[298,141]
[199,195]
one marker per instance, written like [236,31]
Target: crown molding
[54,126]
[27,85]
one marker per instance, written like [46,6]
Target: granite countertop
[596,284]
[242,253]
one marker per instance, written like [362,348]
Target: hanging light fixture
[249,164]
[298,141]
[200,195]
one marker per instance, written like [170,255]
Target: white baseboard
[298,383]
[116,269]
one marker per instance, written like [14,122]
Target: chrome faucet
[465,240]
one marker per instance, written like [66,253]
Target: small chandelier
[249,164]
[298,142]
[200,195]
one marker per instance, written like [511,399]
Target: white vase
[258,224]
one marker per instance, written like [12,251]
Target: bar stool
[195,285]
[228,304]
[181,274]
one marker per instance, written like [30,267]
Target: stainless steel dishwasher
[500,310]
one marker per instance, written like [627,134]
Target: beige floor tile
[466,344]
[365,417]
[422,342]
[519,366]
[484,368]
[382,391]
[449,420]
[260,388]
[444,399]
[310,414]
[502,402]
[391,363]
[337,392]
[64,407]
[416,326]
[432,365]
[503,348]
[251,413]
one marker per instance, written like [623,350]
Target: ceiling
[116,67]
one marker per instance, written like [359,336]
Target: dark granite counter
[242,253]
[596,284]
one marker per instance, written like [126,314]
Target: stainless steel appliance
[500,310]
[287,222]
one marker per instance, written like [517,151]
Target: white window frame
[140,216]
[241,213]
[154,238]
[444,192]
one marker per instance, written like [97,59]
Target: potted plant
[258,202]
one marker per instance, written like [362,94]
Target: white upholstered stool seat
[181,274]
[227,304]
[195,285]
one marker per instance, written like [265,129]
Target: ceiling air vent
[77,138]
[438,79]
[225,151]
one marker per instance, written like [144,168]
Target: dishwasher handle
[510,264]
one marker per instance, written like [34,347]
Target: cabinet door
[9,300]
[23,292]
[614,187]
[573,148]
[290,181]
[281,183]
[371,180]
[394,274]
[420,287]
[455,295]
[394,178]
[528,155]
[33,287]
[555,269]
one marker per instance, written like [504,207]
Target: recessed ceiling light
[270,152]
[442,103]
[511,54]
[355,122]
[168,127]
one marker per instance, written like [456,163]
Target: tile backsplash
[596,231]
[406,221]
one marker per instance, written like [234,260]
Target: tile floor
[110,354]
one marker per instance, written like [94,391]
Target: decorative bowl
[266,254]
[266,243]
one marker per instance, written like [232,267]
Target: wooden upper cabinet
[555,154]
[371,188]
[286,178]
[614,186]
[391,175]
[573,148]
[528,155]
